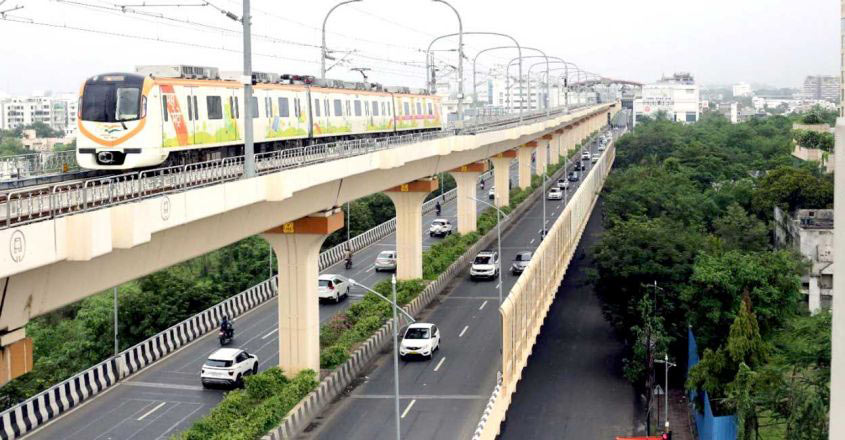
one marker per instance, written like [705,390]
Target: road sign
[658,391]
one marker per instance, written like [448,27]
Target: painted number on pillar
[287,228]
[463,167]
[404,187]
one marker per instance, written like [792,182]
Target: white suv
[228,366]
[485,265]
[440,227]
[333,287]
[421,339]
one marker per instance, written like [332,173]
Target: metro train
[172,115]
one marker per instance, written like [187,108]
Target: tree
[740,231]
[790,189]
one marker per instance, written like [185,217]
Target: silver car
[386,260]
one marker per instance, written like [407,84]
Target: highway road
[441,398]
[167,397]
[573,385]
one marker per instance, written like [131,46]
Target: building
[821,87]
[730,110]
[742,90]
[59,112]
[677,96]
[810,232]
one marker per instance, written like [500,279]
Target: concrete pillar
[542,156]
[502,176]
[560,139]
[554,148]
[408,199]
[815,295]
[15,354]
[524,157]
[297,247]
[467,179]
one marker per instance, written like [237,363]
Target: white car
[440,227]
[562,183]
[585,155]
[332,287]
[228,366]
[485,265]
[555,194]
[386,260]
[492,193]
[420,339]
[595,157]
[601,147]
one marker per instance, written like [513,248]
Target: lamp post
[323,51]
[395,344]
[499,216]
[666,364]
[460,60]
[116,347]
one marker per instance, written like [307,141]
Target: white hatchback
[332,287]
[228,366]
[555,194]
[421,339]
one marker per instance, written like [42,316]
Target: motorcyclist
[482,185]
[348,258]
[227,328]
[437,208]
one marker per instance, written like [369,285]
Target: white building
[677,96]
[742,89]
[810,232]
[59,112]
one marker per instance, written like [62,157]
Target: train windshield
[112,99]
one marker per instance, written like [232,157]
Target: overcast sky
[776,42]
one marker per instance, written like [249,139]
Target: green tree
[790,189]
[740,231]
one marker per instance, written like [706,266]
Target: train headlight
[105,157]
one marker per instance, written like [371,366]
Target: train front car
[118,129]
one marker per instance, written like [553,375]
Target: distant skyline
[776,42]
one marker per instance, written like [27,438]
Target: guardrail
[35,164]
[27,205]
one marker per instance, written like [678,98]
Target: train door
[193,114]
[174,128]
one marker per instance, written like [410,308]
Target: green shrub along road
[690,207]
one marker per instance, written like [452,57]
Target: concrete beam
[297,247]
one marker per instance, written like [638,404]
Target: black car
[578,166]
[573,176]
[520,262]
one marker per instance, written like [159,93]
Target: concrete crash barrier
[301,415]
[525,308]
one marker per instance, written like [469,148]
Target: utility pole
[249,148]
[116,345]
[666,364]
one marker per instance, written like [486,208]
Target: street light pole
[460,60]
[249,147]
[323,51]
[666,365]
[395,344]
[115,323]
[499,215]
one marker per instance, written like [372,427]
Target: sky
[56,44]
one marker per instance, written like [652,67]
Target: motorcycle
[348,264]
[226,337]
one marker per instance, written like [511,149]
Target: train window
[383,110]
[419,109]
[196,109]
[237,108]
[284,110]
[164,107]
[429,109]
[317,107]
[367,108]
[253,107]
[348,108]
[338,107]
[268,106]
[190,110]
[375,108]
[406,107]
[326,107]
[296,108]
[357,108]
[214,106]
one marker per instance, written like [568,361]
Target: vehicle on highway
[228,366]
[578,166]
[555,194]
[520,262]
[420,339]
[543,233]
[595,157]
[573,176]
[332,287]
[386,260]
[492,193]
[440,227]
[485,265]
[227,331]
[585,155]
[601,147]
[562,183]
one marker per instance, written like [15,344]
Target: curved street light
[475,60]
[460,60]
[323,51]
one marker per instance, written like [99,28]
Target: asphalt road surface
[573,387]
[441,398]
[167,397]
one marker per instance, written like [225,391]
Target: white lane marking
[497,285]
[440,363]
[463,331]
[272,332]
[482,305]
[151,411]
[405,413]
[531,242]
